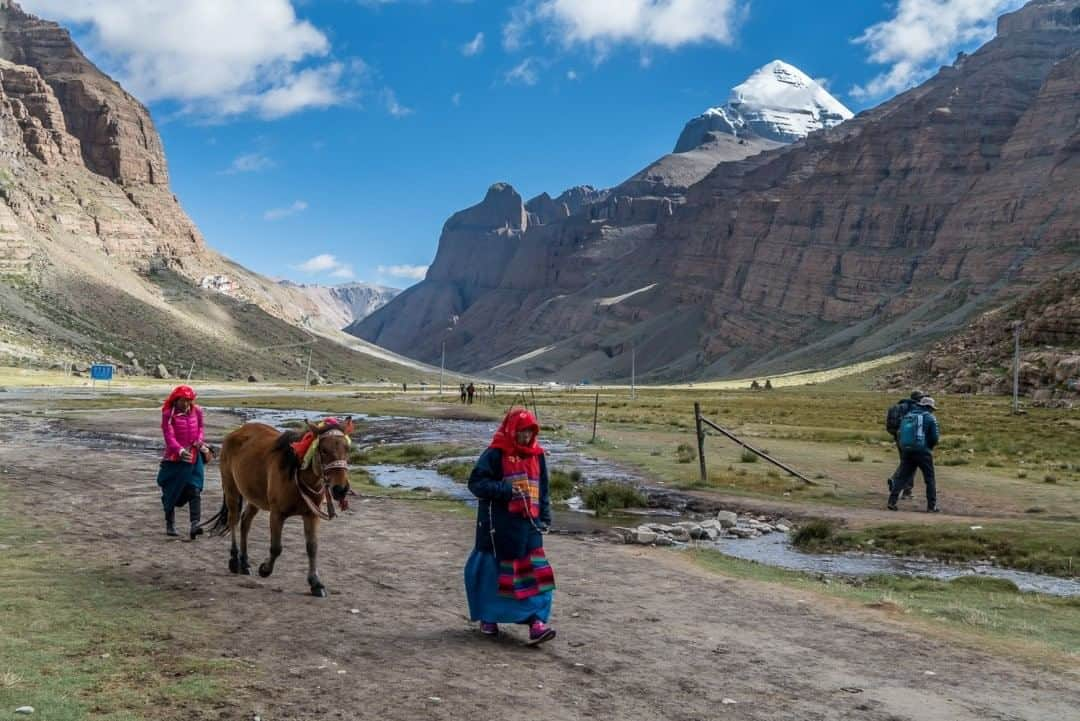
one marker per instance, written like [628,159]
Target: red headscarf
[518,419]
[179,392]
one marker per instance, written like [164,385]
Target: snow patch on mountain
[777,102]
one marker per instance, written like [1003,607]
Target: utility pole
[633,373]
[1016,366]
[442,368]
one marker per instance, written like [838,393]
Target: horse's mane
[283,449]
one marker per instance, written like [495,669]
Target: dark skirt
[179,482]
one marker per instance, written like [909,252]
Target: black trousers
[905,476]
[905,492]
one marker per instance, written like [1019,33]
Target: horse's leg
[277,522]
[233,503]
[250,511]
[311,530]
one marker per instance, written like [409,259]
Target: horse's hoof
[319,591]
[234,565]
[265,570]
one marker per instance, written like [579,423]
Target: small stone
[727,519]
[929,673]
[781,528]
[354,611]
[434,699]
[664,541]
[728,701]
[25,710]
[645,536]
[680,534]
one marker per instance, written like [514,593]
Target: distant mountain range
[339,306]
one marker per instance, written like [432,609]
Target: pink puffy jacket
[181,430]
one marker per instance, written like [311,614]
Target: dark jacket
[896,414]
[515,535]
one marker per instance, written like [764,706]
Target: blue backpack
[912,435]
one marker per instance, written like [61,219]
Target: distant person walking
[918,435]
[180,474]
[896,414]
[463,393]
[471,390]
[507,577]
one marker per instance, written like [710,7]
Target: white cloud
[602,23]
[571,74]
[456,100]
[279,213]
[343,271]
[326,263]
[319,264]
[474,46]
[249,163]
[393,106]
[214,58]
[412,272]
[524,73]
[922,35]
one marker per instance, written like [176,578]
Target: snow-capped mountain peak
[777,102]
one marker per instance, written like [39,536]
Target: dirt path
[643,635]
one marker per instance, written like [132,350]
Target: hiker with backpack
[917,437]
[892,425]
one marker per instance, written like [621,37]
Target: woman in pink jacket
[181,472]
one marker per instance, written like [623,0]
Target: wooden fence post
[595,415]
[700,442]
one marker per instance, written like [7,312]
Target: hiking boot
[195,509]
[489,629]
[906,494]
[892,507]
[933,509]
[170,524]
[540,632]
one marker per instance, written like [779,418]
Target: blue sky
[326,140]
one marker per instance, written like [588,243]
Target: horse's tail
[219,523]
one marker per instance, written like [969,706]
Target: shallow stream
[772,549]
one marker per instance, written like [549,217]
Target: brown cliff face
[872,237]
[98,259]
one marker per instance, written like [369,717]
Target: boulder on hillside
[162,372]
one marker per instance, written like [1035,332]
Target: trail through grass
[78,641]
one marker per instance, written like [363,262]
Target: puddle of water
[390,476]
[776,550]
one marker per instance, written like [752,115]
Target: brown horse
[259,465]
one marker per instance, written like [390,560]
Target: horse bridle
[310,495]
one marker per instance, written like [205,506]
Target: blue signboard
[101,372]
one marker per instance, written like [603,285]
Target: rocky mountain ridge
[97,257]
[980,359]
[870,237]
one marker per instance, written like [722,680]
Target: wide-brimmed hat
[928,402]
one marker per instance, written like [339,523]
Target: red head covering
[179,392]
[518,419]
